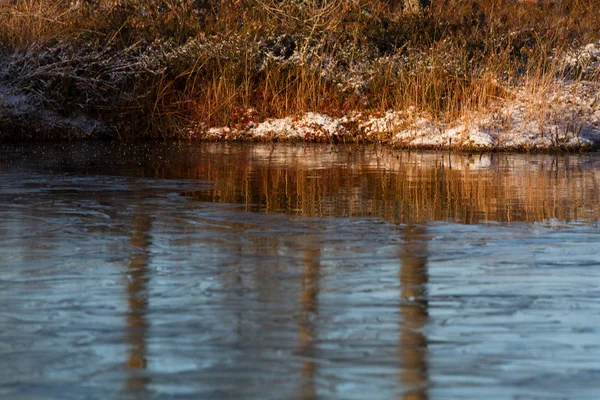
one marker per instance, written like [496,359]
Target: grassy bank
[525,74]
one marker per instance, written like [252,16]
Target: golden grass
[283,58]
[414,189]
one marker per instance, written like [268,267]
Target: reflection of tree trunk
[413,308]
[137,299]
[306,325]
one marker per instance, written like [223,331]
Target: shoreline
[417,141]
[393,129]
[459,76]
[561,116]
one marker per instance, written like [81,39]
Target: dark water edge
[280,271]
[29,133]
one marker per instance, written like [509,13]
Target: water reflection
[137,300]
[307,331]
[402,187]
[414,311]
[244,303]
[354,181]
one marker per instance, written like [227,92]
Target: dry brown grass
[206,63]
[31,20]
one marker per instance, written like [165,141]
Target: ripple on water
[252,271]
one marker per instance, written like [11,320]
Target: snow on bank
[584,60]
[310,126]
[561,116]
[559,113]
[565,115]
[556,113]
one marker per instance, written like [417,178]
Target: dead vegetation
[176,68]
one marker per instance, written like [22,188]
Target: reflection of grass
[174,67]
[408,192]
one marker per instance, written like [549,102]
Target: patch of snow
[585,59]
[390,121]
[309,125]
[219,133]
[564,121]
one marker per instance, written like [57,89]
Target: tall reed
[208,63]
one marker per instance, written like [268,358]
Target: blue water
[268,272]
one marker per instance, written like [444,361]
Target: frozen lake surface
[223,271]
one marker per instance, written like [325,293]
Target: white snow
[585,59]
[567,116]
[298,128]
[563,113]
[308,126]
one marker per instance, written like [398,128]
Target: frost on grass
[23,114]
[86,89]
[310,126]
[562,112]
[565,116]
[62,90]
[583,61]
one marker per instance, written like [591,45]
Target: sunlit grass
[173,66]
